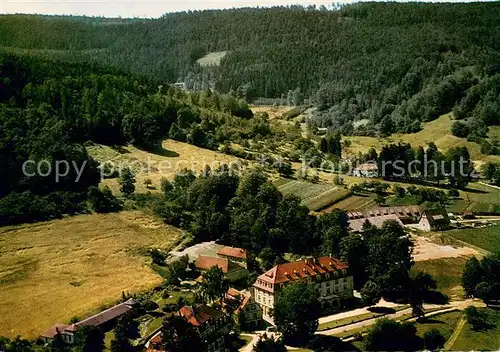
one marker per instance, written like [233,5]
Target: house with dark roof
[237,255]
[233,271]
[103,320]
[329,275]
[243,307]
[434,220]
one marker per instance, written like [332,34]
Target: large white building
[329,275]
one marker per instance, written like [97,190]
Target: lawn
[488,340]
[53,271]
[164,163]
[444,323]
[447,272]
[478,198]
[487,238]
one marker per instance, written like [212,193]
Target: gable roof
[107,315]
[199,315]
[414,211]
[233,252]
[297,270]
[237,299]
[94,320]
[205,262]
[437,217]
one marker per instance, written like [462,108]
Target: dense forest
[370,68]
[48,110]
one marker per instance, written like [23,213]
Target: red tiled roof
[233,252]
[199,315]
[204,263]
[240,298]
[233,292]
[310,267]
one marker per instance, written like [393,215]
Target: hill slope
[393,64]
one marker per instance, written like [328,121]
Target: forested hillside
[48,110]
[370,68]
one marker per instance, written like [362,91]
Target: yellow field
[174,157]
[437,131]
[274,112]
[53,271]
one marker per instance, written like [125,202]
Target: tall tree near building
[214,284]
[296,312]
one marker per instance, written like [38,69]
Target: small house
[434,220]
[369,169]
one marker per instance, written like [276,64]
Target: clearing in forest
[171,159]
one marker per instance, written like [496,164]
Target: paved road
[460,305]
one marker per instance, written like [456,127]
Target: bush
[433,340]
[475,318]
[460,129]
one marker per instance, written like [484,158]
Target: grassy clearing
[437,131]
[274,112]
[56,270]
[315,196]
[212,59]
[444,323]
[447,272]
[477,198]
[486,238]
[165,163]
[488,340]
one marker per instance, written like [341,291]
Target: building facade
[103,320]
[329,275]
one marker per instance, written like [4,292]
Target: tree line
[369,68]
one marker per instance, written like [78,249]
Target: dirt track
[424,249]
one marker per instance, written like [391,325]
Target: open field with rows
[165,163]
[53,271]
[315,196]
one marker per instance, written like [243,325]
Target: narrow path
[487,184]
[451,341]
